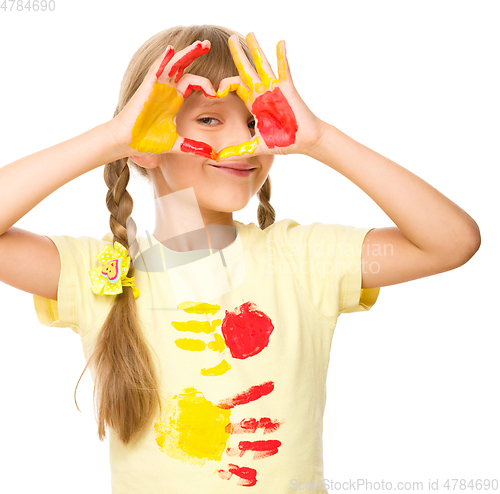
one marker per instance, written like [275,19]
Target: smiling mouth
[234,168]
[238,166]
[239,172]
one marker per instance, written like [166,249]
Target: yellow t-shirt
[241,339]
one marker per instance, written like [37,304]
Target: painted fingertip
[169,53]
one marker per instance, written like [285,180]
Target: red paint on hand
[251,394]
[188,58]
[199,148]
[275,119]
[168,56]
[190,88]
[246,331]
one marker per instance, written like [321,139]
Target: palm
[147,121]
[284,123]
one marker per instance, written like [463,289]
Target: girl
[208,340]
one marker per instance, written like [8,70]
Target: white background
[413,384]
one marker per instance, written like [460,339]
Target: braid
[265,212]
[125,381]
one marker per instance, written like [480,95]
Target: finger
[190,82]
[263,67]
[247,147]
[170,52]
[283,67]
[197,148]
[186,57]
[246,71]
[230,84]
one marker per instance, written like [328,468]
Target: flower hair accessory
[110,279]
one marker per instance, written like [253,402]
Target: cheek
[181,169]
[266,162]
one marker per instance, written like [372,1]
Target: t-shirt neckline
[177,258]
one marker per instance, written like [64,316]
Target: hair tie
[109,279]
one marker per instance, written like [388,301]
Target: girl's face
[220,123]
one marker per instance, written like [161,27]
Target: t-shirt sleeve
[327,262]
[76,305]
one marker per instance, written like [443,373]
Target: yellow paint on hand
[239,149]
[245,76]
[217,370]
[190,344]
[154,130]
[191,428]
[281,62]
[198,307]
[263,86]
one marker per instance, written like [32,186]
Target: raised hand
[284,123]
[147,122]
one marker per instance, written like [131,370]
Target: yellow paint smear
[263,86]
[281,62]
[238,150]
[191,344]
[198,307]
[217,370]
[197,326]
[218,344]
[191,428]
[154,130]
[245,77]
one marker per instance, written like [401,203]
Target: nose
[236,131]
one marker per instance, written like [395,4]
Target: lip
[235,165]
[235,168]
[235,171]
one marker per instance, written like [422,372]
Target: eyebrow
[208,102]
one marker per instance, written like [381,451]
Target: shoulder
[289,230]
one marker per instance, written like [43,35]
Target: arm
[27,181]
[31,262]
[432,234]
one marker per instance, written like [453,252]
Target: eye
[208,121]
[251,124]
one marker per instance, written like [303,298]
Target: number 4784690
[35,5]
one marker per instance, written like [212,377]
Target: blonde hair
[126,385]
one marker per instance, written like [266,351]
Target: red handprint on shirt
[245,331]
[193,429]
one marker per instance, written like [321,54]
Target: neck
[182,225]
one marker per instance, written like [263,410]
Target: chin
[226,205]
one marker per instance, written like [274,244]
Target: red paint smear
[275,119]
[251,394]
[190,88]
[187,59]
[246,331]
[261,449]
[248,476]
[250,425]
[166,59]
[199,148]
